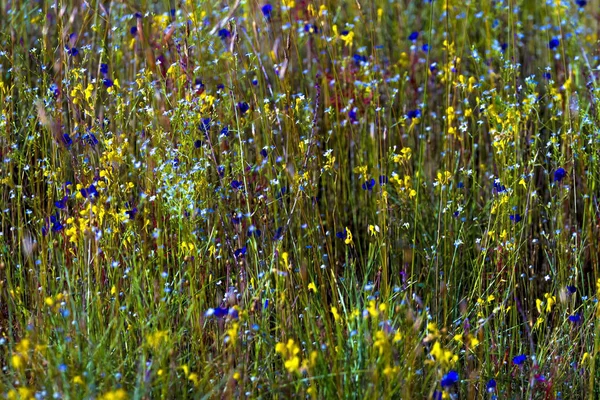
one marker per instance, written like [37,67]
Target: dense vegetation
[296,199]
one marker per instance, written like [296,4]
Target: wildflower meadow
[329,199]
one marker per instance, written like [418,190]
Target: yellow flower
[17,361]
[372,309]
[156,339]
[347,38]
[119,394]
[441,355]
[551,300]
[292,365]
[334,311]
[313,287]
[348,236]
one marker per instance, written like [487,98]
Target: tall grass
[331,199]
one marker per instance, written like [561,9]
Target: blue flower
[240,252]
[133,30]
[91,139]
[352,114]
[131,213]
[107,82]
[571,289]
[218,312]
[499,187]
[581,3]
[559,174]
[412,114]
[67,139]
[278,234]
[383,179]
[425,47]
[547,75]
[224,34]
[449,379]
[358,59]
[553,43]
[104,68]
[205,125]
[368,185]
[243,107]
[225,131]
[57,226]
[267,9]
[515,217]
[311,28]
[236,184]
[72,51]
[60,204]
[341,235]
[491,385]
[460,185]
[576,318]
[263,152]
[89,192]
[520,359]
[437,395]
[198,143]
[413,36]
[54,90]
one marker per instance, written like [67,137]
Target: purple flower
[559,174]
[449,379]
